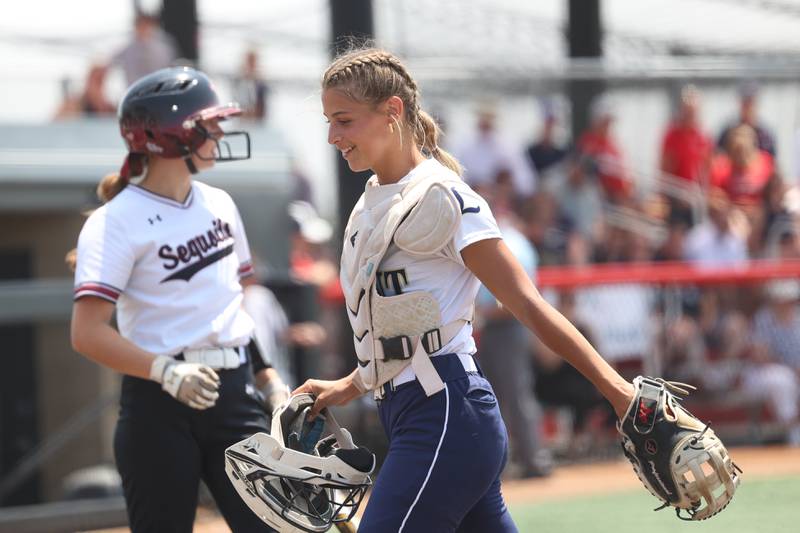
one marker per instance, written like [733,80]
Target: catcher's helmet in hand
[294,481]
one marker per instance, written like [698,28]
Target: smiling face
[360,131]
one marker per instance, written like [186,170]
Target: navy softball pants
[446,453]
[164,448]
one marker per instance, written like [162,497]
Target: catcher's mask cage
[703,477]
[292,480]
[164,114]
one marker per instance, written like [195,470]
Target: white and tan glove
[193,384]
[678,458]
[275,392]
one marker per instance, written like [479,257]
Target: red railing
[665,273]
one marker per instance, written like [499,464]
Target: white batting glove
[275,393]
[193,384]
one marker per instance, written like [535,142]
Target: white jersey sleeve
[477,222]
[241,247]
[105,258]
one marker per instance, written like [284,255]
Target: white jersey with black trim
[172,268]
[444,274]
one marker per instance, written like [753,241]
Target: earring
[391,128]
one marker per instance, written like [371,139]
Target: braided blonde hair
[373,75]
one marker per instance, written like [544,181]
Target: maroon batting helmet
[161,114]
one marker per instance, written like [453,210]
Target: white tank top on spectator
[172,268]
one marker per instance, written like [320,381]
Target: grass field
[606,497]
[766,505]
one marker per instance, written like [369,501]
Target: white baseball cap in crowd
[784,290]
[312,227]
[602,108]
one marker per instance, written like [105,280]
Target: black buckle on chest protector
[432,340]
[397,348]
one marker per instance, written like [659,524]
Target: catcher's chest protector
[419,216]
[678,458]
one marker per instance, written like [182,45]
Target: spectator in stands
[150,49]
[301,188]
[721,239]
[598,143]
[501,195]
[487,154]
[730,362]
[672,247]
[765,140]
[251,89]
[774,384]
[776,335]
[576,191]
[780,205]
[539,224]
[788,242]
[742,170]
[315,276]
[681,347]
[777,324]
[685,149]
[725,332]
[621,244]
[92,101]
[273,331]
[546,151]
[558,384]
[309,256]
[512,376]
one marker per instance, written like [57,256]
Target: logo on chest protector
[391,282]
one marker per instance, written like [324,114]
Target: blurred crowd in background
[719,200]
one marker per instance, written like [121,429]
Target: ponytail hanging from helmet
[133,166]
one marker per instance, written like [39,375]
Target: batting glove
[193,384]
[275,393]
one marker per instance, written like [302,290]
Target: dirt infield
[584,480]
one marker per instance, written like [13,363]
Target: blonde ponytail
[427,135]
[110,186]
[71,259]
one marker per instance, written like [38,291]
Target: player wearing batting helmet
[166,252]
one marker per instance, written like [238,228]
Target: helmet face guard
[230,145]
[224,150]
[292,480]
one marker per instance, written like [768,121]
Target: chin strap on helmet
[190,164]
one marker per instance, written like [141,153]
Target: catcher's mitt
[678,458]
